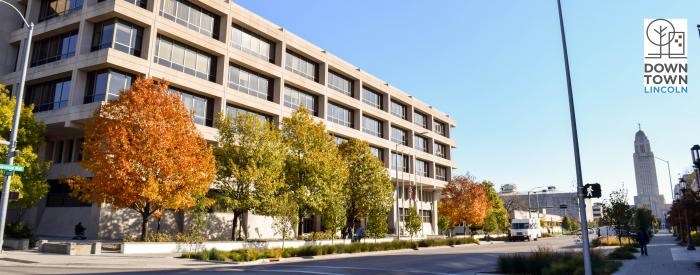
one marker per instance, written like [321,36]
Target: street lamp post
[685,212]
[695,152]
[11,152]
[529,209]
[577,158]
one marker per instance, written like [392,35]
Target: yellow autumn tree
[464,201]
[144,153]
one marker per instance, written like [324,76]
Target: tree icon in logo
[659,29]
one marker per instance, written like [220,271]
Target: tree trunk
[300,227]
[144,226]
[234,226]
[158,225]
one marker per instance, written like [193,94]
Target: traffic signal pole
[579,177]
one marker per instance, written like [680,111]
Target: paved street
[442,260]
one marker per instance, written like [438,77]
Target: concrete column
[436,198]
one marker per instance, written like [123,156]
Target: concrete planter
[174,247]
[73,249]
[16,244]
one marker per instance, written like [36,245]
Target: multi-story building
[554,202]
[219,57]
[597,210]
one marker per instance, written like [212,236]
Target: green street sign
[11,168]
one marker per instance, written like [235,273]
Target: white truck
[525,229]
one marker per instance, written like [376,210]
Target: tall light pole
[577,157]
[396,170]
[668,167]
[695,153]
[11,152]
[529,209]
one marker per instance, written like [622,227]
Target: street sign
[11,168]
[563,206]
[13,196]
[592,190]
[4,142]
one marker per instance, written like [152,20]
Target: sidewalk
[665,257]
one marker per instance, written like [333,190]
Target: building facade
[219,57]
[645,175]
[553,202]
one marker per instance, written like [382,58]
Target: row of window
[64,151]
[191,16]
[54,48]
[128,38]
[49,95]
[52,8]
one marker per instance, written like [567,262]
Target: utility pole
[11,152]
[577,157]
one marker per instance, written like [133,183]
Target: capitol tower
[645,175]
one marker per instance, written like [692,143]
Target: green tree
[249,165]
[617,213]
[377,225]
[31,184]
[314,170]
[443,224]
[368,187]
[643,219]
[412,222]
[496,218]
[334,217]
[285,217]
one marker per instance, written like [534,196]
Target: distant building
[645,174]
[554,202]
[597,210]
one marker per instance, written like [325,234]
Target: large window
[372,126]
[440,128]
[398,109]
[59,196]
[420,143]
[51,95]
[52,8]
[441,172]
[252,43]
[301,65]
[234,111]
[106,84]
[201,107]
[399,162]
[185,59]
[420,119]
[399,136]
[422,168]
[294,99]
[54,48]
[117,34]
[441,150]
[249,82]
[340,115]
[377,152]
[191,16]
[340,83]
[372,98]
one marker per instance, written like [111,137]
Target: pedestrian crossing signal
[592,190]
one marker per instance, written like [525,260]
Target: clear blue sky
[497,68]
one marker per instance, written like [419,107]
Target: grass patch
[251,254]
[614,241]
[545,261]
[623,253]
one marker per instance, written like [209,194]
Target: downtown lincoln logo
[665,56]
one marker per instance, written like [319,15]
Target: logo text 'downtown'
[665,56]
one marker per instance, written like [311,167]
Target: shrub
[159,237]
[613,241]
[622,253]
[547,235]
[545,261]
[217,255]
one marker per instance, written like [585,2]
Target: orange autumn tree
[464,201]
[144,153]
